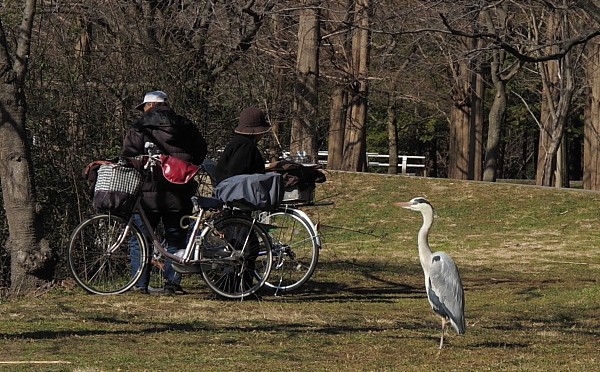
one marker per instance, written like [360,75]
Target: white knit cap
[155,96]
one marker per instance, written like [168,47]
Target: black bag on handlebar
[116,187]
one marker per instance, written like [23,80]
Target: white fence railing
[407,164]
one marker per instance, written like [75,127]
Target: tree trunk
[337,121]
[562,166]
[392,138]
[591,150]
[546,161]
[338,110]
[304,122]
[496,118]
[476,140]
[355,136]
[30,255]
[458,141]
[558,87]
[461,125]
[497,113]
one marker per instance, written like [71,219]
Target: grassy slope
[529,261]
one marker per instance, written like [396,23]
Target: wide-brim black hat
[252,121]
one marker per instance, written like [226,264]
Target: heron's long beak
[402,204]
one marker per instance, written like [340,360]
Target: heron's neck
[423,240]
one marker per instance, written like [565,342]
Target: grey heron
[442,280]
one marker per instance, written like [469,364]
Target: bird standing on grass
[442,280]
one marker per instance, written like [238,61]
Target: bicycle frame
[191,253]
[185,257]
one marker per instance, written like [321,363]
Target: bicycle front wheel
[296,246]
[237,256]
[99,258]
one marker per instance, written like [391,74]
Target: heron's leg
[443,330]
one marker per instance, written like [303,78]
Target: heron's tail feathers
[459,325]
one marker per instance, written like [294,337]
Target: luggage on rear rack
[299,180]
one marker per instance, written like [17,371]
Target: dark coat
[241,156]
[173,135]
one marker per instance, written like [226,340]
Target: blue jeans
[175,238]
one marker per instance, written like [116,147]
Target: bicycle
[294,237]
[232,252]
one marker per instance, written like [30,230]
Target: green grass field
[529,259]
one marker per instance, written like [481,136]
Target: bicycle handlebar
[153,155]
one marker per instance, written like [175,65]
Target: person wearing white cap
[152,98]
[162,200]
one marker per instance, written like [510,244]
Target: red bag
[176,170]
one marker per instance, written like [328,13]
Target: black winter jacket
[173,135]
[241,156]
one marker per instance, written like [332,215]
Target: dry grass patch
[528,256]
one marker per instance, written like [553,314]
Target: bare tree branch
[567,45]
[590,8]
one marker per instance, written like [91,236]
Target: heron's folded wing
[444,281]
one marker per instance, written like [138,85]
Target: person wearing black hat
[162,200]
[241,155]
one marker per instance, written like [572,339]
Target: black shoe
[172,288]
[140,290]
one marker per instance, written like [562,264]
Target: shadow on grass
[287,328]
[143,327]
[322,291]
[330,283]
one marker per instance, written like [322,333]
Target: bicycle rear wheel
[296,246]
[99,257]
[238,256]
